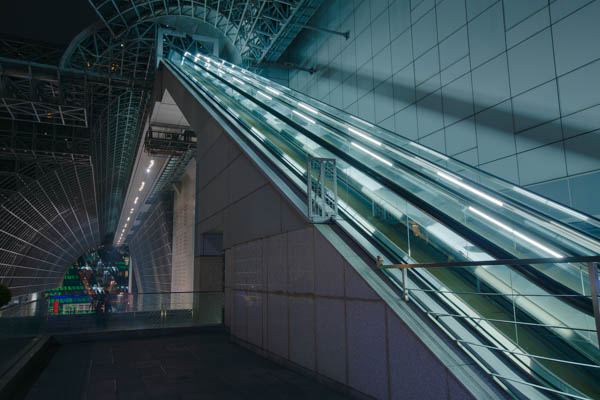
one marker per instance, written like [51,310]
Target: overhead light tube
[383,160]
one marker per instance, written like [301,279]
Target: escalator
[530,327]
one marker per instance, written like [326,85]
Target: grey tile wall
[510,86]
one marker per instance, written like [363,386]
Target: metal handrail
[435,314]
[506,261]
[592,262]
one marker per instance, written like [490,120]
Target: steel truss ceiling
[260,29]
[60,106]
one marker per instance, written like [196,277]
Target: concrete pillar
[184,203]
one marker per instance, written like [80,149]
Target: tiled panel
[494,132]
[429,112]
[300,260]
[583,153]
[483,80]
[275,262]
[581,122]
[407,359]
[427,65]
[536,106]
[331,338]
[458,100]
[562,8]
[451,15]
[424,34]
[277,324]
[486,35]
[505,168]
[461,136]
[402,51]
[555,190]
[302,327]
[490,83]
[476,7]
[571,33]
[542,164]
[382,65]
[404,88]
[539,136]
[435,141]
[531,63]
[528,27]
[585,191]
[380,34]
[454,47]
[518,10]
[367,347]
[580,89]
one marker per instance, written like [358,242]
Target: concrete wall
[510,86]
[294,297]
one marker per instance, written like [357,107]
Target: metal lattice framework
[47,224]
[33,51]
[260,29]
[60,106]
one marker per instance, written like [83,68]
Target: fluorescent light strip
[470,189]
[238,81]
[362,135]
[264,95]
[142,186]
[260,135]
[308,108]
[131,212]
[383,160]
[428,150]
[270,89]
[136,200]
[516,233]
[312,121]
[361,121]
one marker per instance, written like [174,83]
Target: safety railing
[51,314]
[543,346]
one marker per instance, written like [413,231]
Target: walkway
[187,366]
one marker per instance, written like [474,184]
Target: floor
[9,348]
[190,366]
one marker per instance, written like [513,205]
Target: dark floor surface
[190,366]
[9,348]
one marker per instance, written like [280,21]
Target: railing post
[593,273]
[404,292]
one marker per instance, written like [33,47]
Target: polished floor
[189,366]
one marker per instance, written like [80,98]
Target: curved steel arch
[260,29]
[46,225]
[118,112]
[123,45]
